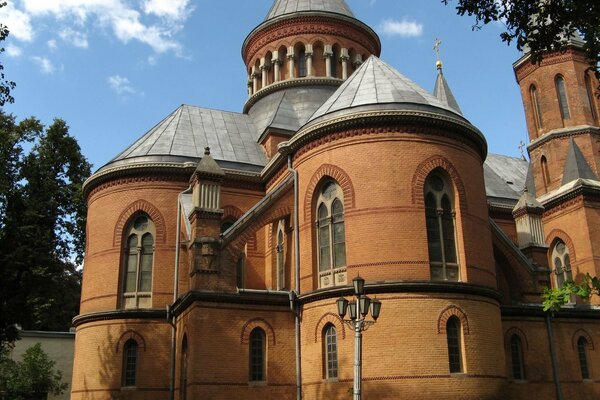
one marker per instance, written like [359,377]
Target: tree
[542,25]
[42,225]
[33,378]
[5,85]
[555,298]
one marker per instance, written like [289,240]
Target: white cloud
[120,84]
[151,22]
[77,39]
[403,28]
[52,45]
[13,51]
[44,63]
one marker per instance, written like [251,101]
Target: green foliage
[32,378]
[554,299]
[5,86]
[542,25]
[42,225]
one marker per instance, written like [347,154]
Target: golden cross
[521,147]
[436,47]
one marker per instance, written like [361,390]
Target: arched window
[257,355]
[331,235]
[453,335]
[335,56]
[561,93]
[591,98]
[535,106]
[561,263]
[545,172]
[226,225]
[583,359]
[138,260]
[330,358]
[130,352]
[280,256]
[302,63]
[516,356]
[184,370]
[439,215]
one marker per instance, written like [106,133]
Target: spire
[208,167]
[442,89]
[529,181]
[576,167]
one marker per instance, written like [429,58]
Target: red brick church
[219,242]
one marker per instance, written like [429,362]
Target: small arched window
[516,356]
[257,355]
[302,63]
[335,56]
[330,357]
[138,260]
[453,335]
[440,215]
[535,105]
[561,261]
[561,93]
[279,251]
[591,98]
[582,345]
[184,370]
[545,172]
[331,235]
[130,360]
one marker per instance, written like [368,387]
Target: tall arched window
[335,57]
[516,356]
[130,359]
[257,355]
[561,262]
[453,335]
[330,357]
[138,260]
[441,237]
[582,345]
[535,106]
[331,235]
[561,93]
[184,370]
[591,98]
[280,256]
[302,63]
[545,172]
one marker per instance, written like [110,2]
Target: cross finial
[207,151]
[436,47]
[521,147]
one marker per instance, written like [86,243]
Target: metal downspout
[553,357]
[297,281]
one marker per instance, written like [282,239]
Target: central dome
[283,7]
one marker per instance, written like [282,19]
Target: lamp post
[358,309]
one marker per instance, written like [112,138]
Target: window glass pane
[433,229]
[302,64]
[131,264]
[448,227]
[146,263]
[257,352]
[130,363]
[334,62]
[583,364]
[562,97]
[516,354]
[329,190]
[339,245]
[323,214]
[331,368]
[537,114]
[453,336]
[324,246]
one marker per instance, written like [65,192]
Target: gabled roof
[443,93]
[505,179]
[576,167]
[188,130]
[283,7]
[377,83]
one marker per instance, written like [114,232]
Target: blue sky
[114,68]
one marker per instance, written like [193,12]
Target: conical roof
[207,166]
[443,93]
[377,83]
[576,167]
[283,7]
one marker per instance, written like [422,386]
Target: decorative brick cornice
[563,133]
[579,195]
[272,299]
[143,314]
[524,67]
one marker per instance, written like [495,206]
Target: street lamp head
[359,286]
[375,308]
[364,301]
[352,309]
[342,306]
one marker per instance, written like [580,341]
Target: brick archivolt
[130,334]
[335,173]
[515,331]
[133,209]
[451,311]
[556,234]
[257,323]
[423,171]
[329,318]
[579,333]
[232,212]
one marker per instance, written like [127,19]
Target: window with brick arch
[582,345]
[138,259]
[257,355]
[130,361]
[441,236]
[516,357]
[331,235]
[330,355]
[561,265]
[535,106]
[561,93]
[280,256]
[545,171]
[453,336]
[183,381]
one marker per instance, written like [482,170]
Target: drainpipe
[553,357]
[170,318]
[293,296]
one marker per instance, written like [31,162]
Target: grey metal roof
[288,109]
[443,93]
[576,166]
[505,176]
[376,83]
[188,130]
[282,7]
